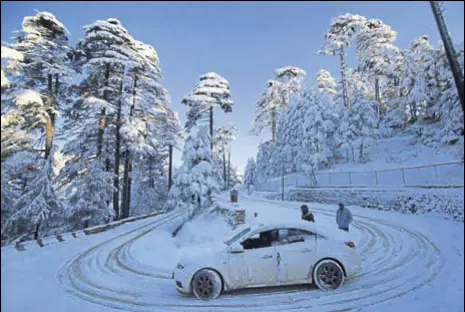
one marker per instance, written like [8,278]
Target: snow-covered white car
[268,255]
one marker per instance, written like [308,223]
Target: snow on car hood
[193,254]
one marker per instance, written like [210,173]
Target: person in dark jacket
[307,215]
[343,218]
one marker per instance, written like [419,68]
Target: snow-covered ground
[402,150]
[409,262]
[395,162]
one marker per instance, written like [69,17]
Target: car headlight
[180,266]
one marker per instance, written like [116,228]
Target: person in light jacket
[343,218]
[307,215]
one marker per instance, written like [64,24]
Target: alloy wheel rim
[204,286]
[329,276]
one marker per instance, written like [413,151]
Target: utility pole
[450,50]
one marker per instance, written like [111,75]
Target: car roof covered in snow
[304,225]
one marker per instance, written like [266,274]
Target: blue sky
[242,41]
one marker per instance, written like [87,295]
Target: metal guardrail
[58,238]
[444,175]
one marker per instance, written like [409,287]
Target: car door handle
[305,250]
[267,256]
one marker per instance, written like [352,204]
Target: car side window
[291,236]
[261,240]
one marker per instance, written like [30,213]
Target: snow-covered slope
[403,150]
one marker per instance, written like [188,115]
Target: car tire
[328,275]
[206,284]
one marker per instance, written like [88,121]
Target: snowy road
[409,262]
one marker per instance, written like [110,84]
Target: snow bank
[203,229]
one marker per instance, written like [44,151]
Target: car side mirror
[236,248]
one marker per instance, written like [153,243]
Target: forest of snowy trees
[87,134]
[390,91]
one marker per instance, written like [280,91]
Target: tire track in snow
[396,261]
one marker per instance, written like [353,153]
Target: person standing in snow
[343,218]
[307,215]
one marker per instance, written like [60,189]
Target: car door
[295,253]
[260,261]
[237,271]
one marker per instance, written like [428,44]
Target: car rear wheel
[206,284]
[328,275]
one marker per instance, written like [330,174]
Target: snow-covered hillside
[400,151]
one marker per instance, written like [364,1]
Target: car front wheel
[328,275]
[206,284]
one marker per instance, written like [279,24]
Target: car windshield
[235,235]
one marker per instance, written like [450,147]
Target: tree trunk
[273,125]
[107,168]
[128,197]
[48,135]
[117,157]
[211,128]
[377,97]
[49,118]
[413,111]
[224,168]
[450,51]
[345,98]
[229,169]
[360,155]
[127,162]
[151,179]
[55,105]
[101,123]
[36,231]
[170,167]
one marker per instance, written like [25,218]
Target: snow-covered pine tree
[84,181]
[358,124]
[35,66]
[375,50]
[418,83]
[291,78]
[448,102]
[318,129]
[26,173]
[144,124]
[211,92]
[38,209]
[236,177]
[18,162]
[341,31]
[275,98]
[250,179]
[266,111]
[106,56]
[195,182]
[43,41]
[394,118]
[325,82]
[172,133]
[290,134]
[223,137]
[265,161]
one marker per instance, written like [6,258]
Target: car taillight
[350,244]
